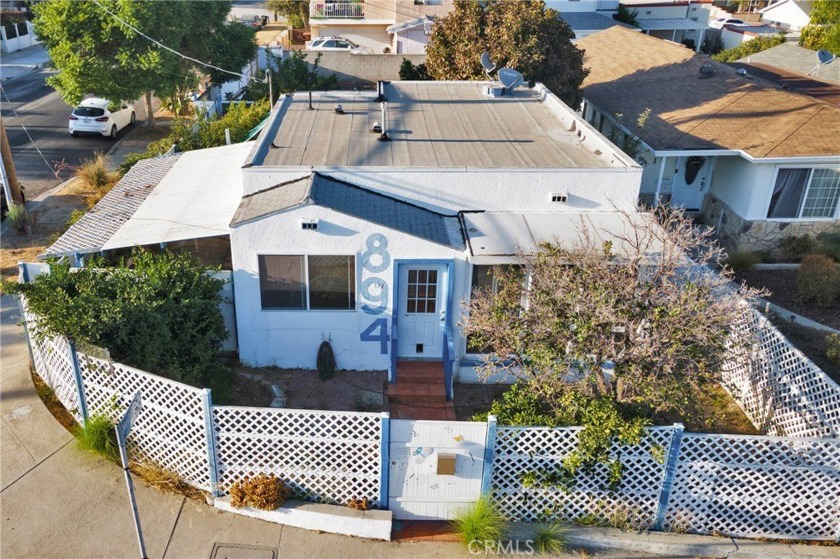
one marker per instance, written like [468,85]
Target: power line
[173,51]
[20,121]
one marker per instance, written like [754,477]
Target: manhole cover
[239,551]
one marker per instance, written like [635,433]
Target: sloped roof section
[96,227]
[356,201]
[590,21]
[796,59]
[631,72]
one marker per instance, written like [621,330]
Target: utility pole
[270,88]
[10,181]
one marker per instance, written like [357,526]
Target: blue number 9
[374,296]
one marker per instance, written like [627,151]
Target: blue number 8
[377,245]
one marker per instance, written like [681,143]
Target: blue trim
[668,476]
[210,437]
[446,328]
[77,376]
[489,453]
[384,457]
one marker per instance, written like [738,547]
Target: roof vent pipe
[380,91]
[384,136]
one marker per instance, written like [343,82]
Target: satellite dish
[825,56]
[489,65]
[511,79]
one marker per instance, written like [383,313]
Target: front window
[487,279]
[805,193]
[307,282]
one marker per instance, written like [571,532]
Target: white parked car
[100,116]
[336,44]
[720,22]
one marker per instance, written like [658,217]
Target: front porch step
[419,392]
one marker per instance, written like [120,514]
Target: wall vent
[560,197]
[309,225]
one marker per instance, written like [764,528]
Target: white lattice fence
[53,363]
[756,487]
[170,428]
[325,456]
[533,449]
[782,391]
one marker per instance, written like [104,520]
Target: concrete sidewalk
[19,63]
[59,502]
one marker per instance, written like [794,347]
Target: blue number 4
[368,335]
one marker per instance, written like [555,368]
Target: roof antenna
[380,91]
[311,108]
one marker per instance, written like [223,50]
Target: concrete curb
[681,545]
[793,318]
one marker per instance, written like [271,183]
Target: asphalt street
[30,105]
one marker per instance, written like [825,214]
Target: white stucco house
[789,15]
[755,161]
[680,21]
[337,232]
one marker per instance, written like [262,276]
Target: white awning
[670,24]
[197,198]
[495,237]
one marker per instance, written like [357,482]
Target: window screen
[823,193]
[332,282]
[281,282]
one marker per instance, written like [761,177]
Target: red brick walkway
[419,392]
[424,531]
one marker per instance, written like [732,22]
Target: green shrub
[741,260]
[99,436]
[19,216]
[818,280]
[263,491]
[550,538]
[795,247]
[828,243]
[750,47]
[410,72]
[833,349]
[481,521]
[160,315]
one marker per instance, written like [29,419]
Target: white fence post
[668,476]
[207,407]
[77,377]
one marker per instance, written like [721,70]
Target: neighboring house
[732,36]
[17,36]
[757,162]
[336,234]
[411,37]
[681,21]
[587,23]
[367,23]
[796,68]
[789,15]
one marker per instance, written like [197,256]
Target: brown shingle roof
[631,72]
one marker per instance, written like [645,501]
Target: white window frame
[308,308]
[811,169]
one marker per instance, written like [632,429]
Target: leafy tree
[665,324]
[95,52]
[295,11]
[292,74]
[410,72]
[162,314]
[526,36]
[204,131]
[627,15]
[823,31]
[750,47]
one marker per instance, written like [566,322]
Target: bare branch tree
[644,299]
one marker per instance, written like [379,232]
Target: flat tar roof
[434,124]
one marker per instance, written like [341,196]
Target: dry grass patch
[166,481]
[95,179]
